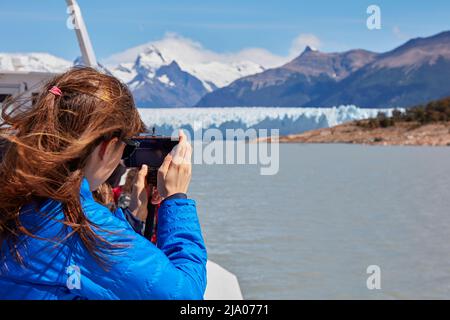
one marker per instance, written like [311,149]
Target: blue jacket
[174,269]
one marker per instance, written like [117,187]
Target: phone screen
[151,151]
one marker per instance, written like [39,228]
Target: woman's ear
[107,147]
[102,149]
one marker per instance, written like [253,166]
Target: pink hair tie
[56,91]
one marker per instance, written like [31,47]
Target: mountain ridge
[177,72]
[412,73]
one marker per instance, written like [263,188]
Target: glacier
[286,120]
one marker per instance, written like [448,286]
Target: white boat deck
[222,284]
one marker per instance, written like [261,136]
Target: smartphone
[151,151]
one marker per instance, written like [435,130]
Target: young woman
[56,241]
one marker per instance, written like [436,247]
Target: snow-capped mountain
[36,61]
[159,82]
[213,69]
[156,79]
[166,86]
[177,74]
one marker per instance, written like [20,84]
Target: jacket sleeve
[176,269]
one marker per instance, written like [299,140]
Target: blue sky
[221,26]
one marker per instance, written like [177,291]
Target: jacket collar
[85,190]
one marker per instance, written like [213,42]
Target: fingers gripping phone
[151,151]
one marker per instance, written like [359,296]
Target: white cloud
[209,66]
[260,56]
[188,51]
[399,33]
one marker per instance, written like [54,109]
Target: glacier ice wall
[287,120]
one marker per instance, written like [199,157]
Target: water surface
[332,210]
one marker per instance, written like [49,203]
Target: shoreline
[403,133]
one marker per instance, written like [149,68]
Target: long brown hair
[105,196]
[48,146]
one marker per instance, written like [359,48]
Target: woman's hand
[174,174]
[139,195]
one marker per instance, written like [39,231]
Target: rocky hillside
[413,73]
